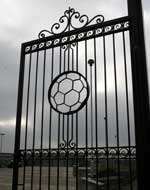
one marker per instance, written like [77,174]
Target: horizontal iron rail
[95,149]
[125,152]
[82,148]
[81,34]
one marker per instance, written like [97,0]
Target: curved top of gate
[73,27]
[69,21]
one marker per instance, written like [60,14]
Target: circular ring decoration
[68,92]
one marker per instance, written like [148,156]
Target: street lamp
[1,147]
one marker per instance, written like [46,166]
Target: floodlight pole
[140,92]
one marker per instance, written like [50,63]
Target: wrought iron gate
[75,118]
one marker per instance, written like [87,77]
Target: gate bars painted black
[95,147]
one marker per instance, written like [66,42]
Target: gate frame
[140,95]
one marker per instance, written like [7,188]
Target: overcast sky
[21,21]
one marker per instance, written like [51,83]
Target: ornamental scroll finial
[69,21]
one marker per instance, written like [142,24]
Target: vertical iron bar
[67,153]
[96,126]
[50,125]
[18,120]
[72,128]
[27,118]
[72,59]
[58,153]
[91,82]
[140,92]
[127,108]
[106,117]
[63,128]
[64,59]
[117,117]
[77,179]
[67,188]
[42,122]
[68,115]
[86,120]
[34,120]
[72,116]
[69,57]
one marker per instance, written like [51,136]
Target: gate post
[18,121]
[140,92]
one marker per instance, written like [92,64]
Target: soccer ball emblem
[68,92]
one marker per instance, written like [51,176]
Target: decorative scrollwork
[71,20]
[81,153]
[63,145]
[27,48]
[72,144]
[62,153]
[72,153]
[48,43]
[108,28]
[34,47]
[53,153]
[117,26]
[126,24]
[113,152]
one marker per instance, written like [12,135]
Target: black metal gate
[75,118]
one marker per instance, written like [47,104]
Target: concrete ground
[6,179]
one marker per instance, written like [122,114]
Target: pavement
[6,179]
